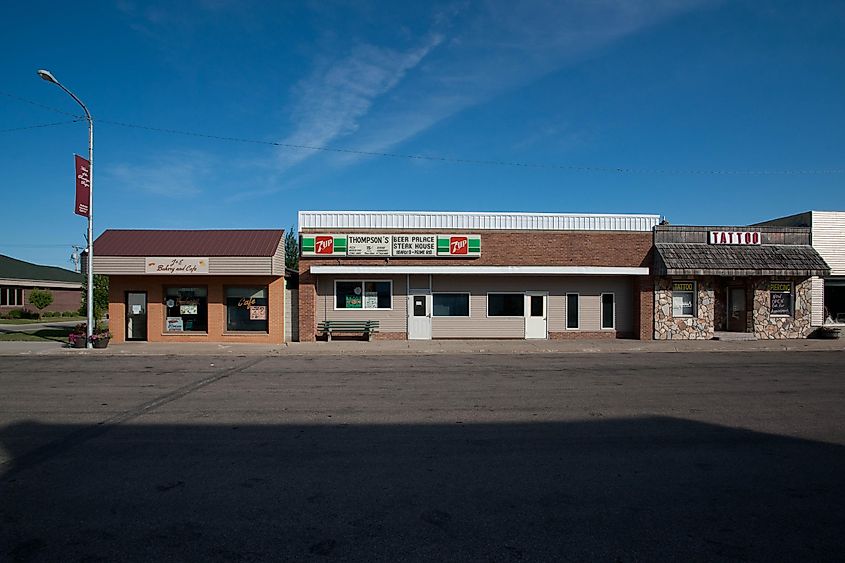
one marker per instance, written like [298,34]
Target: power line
[39,125]
[432,158]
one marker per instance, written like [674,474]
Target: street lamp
[48,76]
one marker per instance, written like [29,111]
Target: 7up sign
[323,245]
[458,245]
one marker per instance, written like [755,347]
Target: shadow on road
[622,489]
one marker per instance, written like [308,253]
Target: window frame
[469,304]
[487,305]
[694,292]
[566,311]
[362,281]
[226,329]
[792,296]
[165,316]
[601,311]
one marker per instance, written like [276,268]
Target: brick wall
[154,286]
[502,248]
[63,300]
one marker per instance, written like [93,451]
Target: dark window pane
[419,305]
[572,310]
[451,305]
[607,315]
[377,295]
[536,305]
[348,295]
[247,309]
[505,305]
[186,309]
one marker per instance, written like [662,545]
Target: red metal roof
[125,242]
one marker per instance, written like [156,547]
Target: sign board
[190,309]
[419,245]
[780,294]
[736,237]
[258,312]
[83,186]
[174,324]
[683,286]
[176,266]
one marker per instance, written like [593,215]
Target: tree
[291,250]
[40,298]
[101,297]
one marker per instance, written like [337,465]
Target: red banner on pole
[83,186]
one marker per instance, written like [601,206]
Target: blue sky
[683,85]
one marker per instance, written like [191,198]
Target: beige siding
[278,260]
[817,301]
[419,281]
[119,265]
[240,266]
[394,320]
[829,239]
[479,325]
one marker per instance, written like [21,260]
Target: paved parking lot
[625,456]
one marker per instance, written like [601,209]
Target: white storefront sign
[736,237]
[176,265]
[368,245]
[414,245]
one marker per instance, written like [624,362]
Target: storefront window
[186,309]
[573,316]
[780,298]
[505,304]
[834,301]
[608,315]
[450,304]
[683,299]
[363,294]
[246,309]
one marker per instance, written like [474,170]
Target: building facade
[425,275]
[18,278]
[754,280]
[827,235]
[194,286]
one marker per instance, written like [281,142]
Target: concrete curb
[507,347]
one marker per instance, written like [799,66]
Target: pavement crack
[13,466]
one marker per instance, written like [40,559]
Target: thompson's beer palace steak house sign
[414,245]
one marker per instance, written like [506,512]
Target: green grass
[40,321]
[43,335]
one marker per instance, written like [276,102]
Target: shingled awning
[672,259]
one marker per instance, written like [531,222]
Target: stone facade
[771,327]
[700,327]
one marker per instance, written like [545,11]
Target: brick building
[194,286]
[425,275]
[18,278]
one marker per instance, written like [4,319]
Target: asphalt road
[611,457]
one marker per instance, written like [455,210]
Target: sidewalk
[395,347]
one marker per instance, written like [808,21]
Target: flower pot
[101,343]
[78,343]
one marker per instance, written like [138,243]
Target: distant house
[18,278]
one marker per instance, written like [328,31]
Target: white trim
[362,282]
[601,311]
[468,220]
[485,270]
[566,313]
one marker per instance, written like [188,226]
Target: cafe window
[363,294]
[505,304]
[683,299]
[450,304]
[11,296]
[780,299]
[573,315]
[246,309]
[608,312]
[186,309]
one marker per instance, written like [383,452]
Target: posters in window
[190,309]
[174,324]
[353,301]
[258,313]
[371,300]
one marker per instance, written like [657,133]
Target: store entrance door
[737,315]
[419,315]
[136,315]
[535,317]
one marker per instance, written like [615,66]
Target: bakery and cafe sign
[176,266]
[736,237]
[392,246]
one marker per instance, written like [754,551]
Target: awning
[485,270]
[684,259]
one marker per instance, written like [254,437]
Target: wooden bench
[367,328]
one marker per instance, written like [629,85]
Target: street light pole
[48,76]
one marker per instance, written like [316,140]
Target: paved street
[531,457]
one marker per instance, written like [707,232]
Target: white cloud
[175,174]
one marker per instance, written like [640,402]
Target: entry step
[733,336]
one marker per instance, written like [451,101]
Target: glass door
[136,315]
